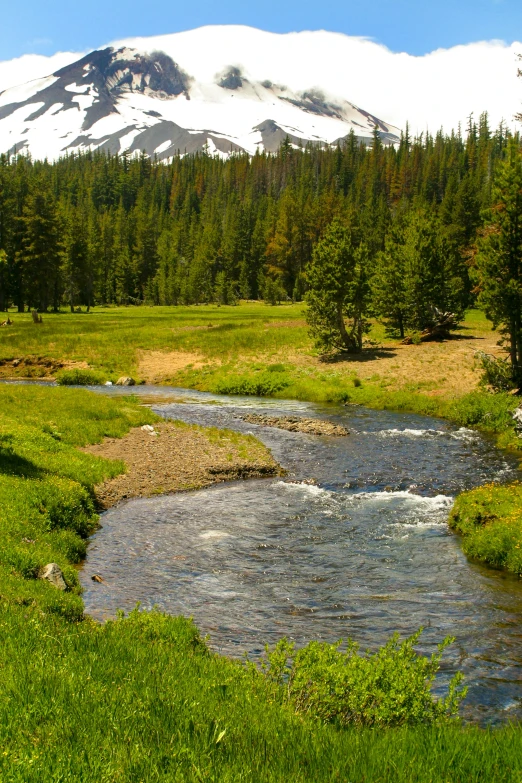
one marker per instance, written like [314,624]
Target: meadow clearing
[141,698]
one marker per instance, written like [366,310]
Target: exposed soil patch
[41,367]
[177,457]
[434,368]
[439,368]
[297,424]
[158,366]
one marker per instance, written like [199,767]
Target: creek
[361,552]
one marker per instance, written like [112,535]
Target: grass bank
[489,519]
[141,698]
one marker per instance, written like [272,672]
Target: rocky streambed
[298,424]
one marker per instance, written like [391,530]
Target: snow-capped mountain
[128,98]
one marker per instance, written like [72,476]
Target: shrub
[497,373]
[390,688]
[489,411]
[263,384]
[79,378]
[65,504]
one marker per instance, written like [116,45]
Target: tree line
[97,229]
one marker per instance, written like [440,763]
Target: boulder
[53,573]
[125,380]
[148,428]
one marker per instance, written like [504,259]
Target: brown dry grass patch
[448,368]
[158,366]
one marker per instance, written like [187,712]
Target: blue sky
[414,26]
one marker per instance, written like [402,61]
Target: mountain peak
[127,98]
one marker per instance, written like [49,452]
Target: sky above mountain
[412,26]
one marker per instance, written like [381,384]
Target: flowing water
[362,552]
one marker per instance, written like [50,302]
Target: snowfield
[225,90]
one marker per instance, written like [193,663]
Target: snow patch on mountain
[176,95]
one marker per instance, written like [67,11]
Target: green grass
[110,338]
[244,354]
[489,519]
[46,502]
[142,698]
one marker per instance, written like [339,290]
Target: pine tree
[4,291]
[41,251]
[499,261]
[389,281]
[338,291]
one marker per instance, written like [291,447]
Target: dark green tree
[389,293]
[41,252]
[4,269]
[339,292]
[498,268]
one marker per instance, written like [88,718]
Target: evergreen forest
[97,229]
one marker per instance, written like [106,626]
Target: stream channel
[361,553]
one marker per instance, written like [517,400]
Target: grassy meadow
[141,698]
[258,349]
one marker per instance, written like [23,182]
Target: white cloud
[438,89]
[33,66]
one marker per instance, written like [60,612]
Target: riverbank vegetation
[142,698]
[255,348]
[489,519]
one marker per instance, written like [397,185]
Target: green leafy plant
[79,378]
[389,688]
[497,373]
[262,384]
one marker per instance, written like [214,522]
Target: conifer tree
[499,261]
[389,281]
[4,293]
[41,250]
[338,290]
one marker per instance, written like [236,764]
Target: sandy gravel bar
[297,424]
[178,457]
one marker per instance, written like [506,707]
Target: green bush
[79,378]
[390,688]
[489,518]
[496,372]
[263,384]
[489,411]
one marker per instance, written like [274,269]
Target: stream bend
[362,552]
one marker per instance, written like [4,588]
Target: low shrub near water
[392,687]
[79,377]
[262,384]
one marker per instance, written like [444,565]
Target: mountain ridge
[122,98]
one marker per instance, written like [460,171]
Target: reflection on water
[363,552]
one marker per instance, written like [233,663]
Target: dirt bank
[36,368]
[177,457]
